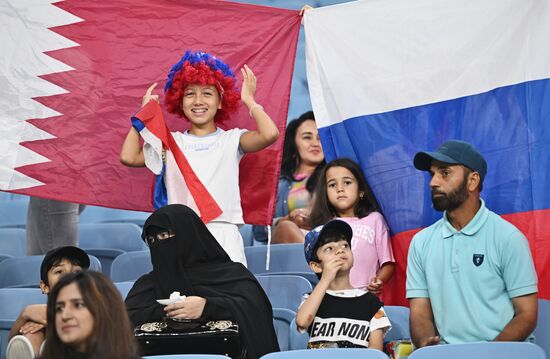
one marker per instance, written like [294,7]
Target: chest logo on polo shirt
[478,259]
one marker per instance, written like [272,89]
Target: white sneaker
[19,347]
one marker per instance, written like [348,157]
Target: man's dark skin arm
[421,322]
[524,321]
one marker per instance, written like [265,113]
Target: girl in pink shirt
[343,193]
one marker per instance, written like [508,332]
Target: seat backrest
[282,318]
[285,291]
[283,258]
[480,350]
[130,266]
[124,288]
[542,331]
[329,353]
[25,271]
[186,356]
[12,302]
[298,340]
[123,236]
[14,213]
[12,241]
[399,319]
[246,233]
[101,214]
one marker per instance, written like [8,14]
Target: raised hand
[248,89]
[331,268]
[149,95]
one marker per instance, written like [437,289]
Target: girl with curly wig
[201,89]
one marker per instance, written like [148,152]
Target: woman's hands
[189,308]
[300,217]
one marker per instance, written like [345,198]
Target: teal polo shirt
[471,275]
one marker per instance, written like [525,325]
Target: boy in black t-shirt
[335,314]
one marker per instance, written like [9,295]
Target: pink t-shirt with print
[371,247]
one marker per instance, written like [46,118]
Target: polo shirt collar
[472,227]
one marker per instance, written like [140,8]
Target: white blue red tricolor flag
[390,78]
[73,73]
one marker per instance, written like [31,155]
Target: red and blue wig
[201,68]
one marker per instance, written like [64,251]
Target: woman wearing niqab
[189,260]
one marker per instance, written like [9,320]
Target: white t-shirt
[215,159]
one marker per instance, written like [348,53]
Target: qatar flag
[391,78]
[73,74]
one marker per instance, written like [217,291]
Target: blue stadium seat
[130,266]
[12,302]
[480,350]
[124,288]
[542,331]
[12,241]
[186,356]
[14,213]
[297,340]
[285,259]
[285,291]
[399,318]
[107,241]
[348,353]
[5,256]
[282,318]
[25,271]
[248,236]
[101,214]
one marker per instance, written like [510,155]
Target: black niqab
[193,263]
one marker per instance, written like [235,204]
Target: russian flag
[73,73]
[389,78]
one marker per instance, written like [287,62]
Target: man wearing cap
[27,334]
[470,275]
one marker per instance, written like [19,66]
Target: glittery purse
[197,336]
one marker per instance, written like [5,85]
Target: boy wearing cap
[28,332]
[470,275]
[335,314]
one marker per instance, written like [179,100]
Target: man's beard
[451,201]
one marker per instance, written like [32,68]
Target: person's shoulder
[232,132]
[504,230]
[428,231]
[375,216]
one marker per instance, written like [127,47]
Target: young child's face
[56,272]
[200,103]
[339,250]
[342,190]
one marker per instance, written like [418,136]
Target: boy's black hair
[74,255]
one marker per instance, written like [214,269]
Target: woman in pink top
[343,193]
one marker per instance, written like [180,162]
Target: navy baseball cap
[334,227]
[71,253]
[453,152]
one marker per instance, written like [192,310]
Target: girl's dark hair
[322,211]
[291,157]
[112,335]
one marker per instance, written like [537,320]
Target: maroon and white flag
[74,72]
